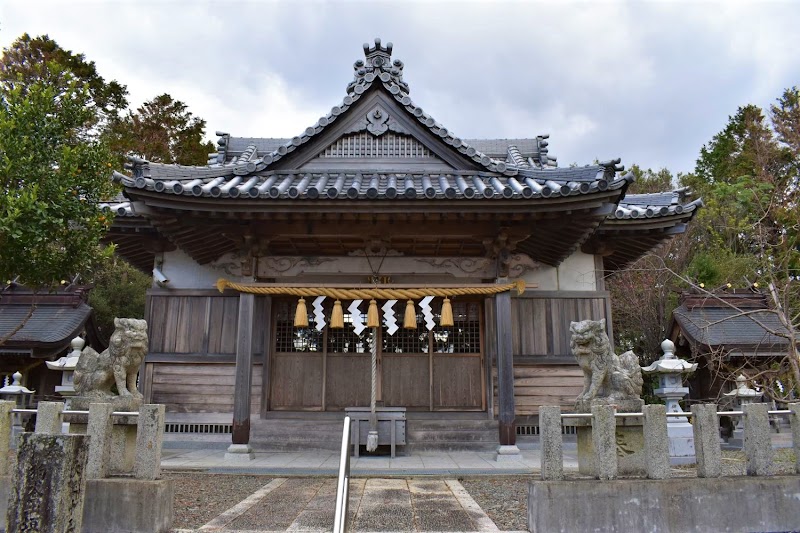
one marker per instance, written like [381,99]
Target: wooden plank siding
[191,361]
[200,388]
[541,321]
[536,385]
[545,371]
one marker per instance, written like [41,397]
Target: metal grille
[367,145]
[288,338]
[214,429]
[534,430]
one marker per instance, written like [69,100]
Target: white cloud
[650,82]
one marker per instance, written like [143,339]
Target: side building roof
[741,324]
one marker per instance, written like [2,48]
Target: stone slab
[128,506]
[5,494]
[48,482]
[699,505]
[681,443]
[630,450]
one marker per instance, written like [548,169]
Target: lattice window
[464,336]
[345,340]
[289,338]
[366,145]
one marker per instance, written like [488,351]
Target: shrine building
[379,197]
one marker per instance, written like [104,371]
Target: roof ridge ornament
[378,62]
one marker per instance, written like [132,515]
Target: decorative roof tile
[222,182]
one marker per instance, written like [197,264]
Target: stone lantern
[741,396]
[19,394]
[670,370]
[66,365]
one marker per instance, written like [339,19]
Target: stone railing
[705,423]
[121,442]
[104,475]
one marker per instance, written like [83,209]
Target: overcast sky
[647,82]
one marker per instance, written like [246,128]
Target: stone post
[706,440]
[149,439]
[656,441]
[100,428]
[48,417]
[5,434]
[794,420]
[49,483]
[552,463]
[757,441]
[604,427]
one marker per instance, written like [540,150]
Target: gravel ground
[199,498]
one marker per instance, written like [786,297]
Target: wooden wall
[192,350]
[541,320]
[545,371]
[536,385]
[199,388]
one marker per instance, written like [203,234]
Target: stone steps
[424,431]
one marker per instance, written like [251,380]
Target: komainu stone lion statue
[607,377]
[96,373]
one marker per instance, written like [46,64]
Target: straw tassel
[446,318]
[373,320]
[410,321]
[301,315]
[337,316]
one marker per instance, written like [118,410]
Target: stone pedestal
[120,403]
[508,453]
[48,483]
[123,440]
[239,453]
[128,505]
[681,443]
[628,435]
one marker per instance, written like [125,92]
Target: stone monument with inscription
[609,379]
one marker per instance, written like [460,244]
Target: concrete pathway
[304,504]
[435,463]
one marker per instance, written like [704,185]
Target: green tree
[51,180]
[162,131]
[41,59]
[119,291]
[748,231]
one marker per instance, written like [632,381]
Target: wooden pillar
[244,370]
[505,369]
[266,376]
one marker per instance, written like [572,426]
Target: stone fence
[73,475]
[756,502]
[757,443]
[98,422]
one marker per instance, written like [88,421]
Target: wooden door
[297,370]
[440,369]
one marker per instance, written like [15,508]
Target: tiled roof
[57,318]
[377,69]
[656,204]
[529,183]
[716,325]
